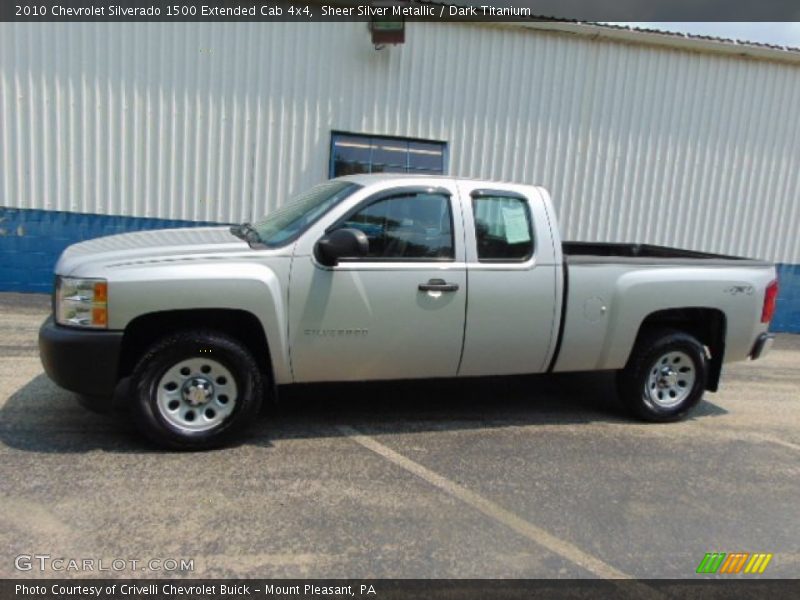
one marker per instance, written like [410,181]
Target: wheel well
[706,324]
[145,330]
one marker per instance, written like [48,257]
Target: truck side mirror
[341,243]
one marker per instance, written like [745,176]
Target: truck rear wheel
[665,376]
[195,390]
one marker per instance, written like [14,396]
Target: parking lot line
[493,510]
[774,440]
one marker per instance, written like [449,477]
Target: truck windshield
[285,224]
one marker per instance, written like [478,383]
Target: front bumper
[762,346]
[79,360]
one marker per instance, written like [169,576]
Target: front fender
[239,285]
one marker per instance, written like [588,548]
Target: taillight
[770,295]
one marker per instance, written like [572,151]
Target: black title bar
[364,10]
[384,589]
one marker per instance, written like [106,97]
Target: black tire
[645,397]
[195,346]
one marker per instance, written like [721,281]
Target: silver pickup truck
[382,277]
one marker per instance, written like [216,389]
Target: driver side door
[397,312]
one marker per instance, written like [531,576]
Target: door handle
[438,285]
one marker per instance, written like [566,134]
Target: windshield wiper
[247,232]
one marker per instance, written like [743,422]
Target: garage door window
[503,231]
[353,153]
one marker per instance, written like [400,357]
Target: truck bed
[611,288]
[602,252]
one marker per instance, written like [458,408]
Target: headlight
[82,302]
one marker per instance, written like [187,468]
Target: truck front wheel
[665,376]
[195,390]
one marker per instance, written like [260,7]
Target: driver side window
[407,227]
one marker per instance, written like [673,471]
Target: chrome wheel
[670,380]
[196,394]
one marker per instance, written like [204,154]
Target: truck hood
[150,246]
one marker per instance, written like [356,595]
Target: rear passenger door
[511,300]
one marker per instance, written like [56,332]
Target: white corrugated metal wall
[222,121]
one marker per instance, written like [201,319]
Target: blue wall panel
[32,240]
[787,312]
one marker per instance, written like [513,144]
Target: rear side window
[407,227]
[503,229]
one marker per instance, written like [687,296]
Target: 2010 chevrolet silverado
[381,277]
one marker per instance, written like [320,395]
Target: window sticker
[516,222]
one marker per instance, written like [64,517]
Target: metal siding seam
[730,188]
[19,95]
[777,175]
[693,85]
[5,125]
[759,187]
